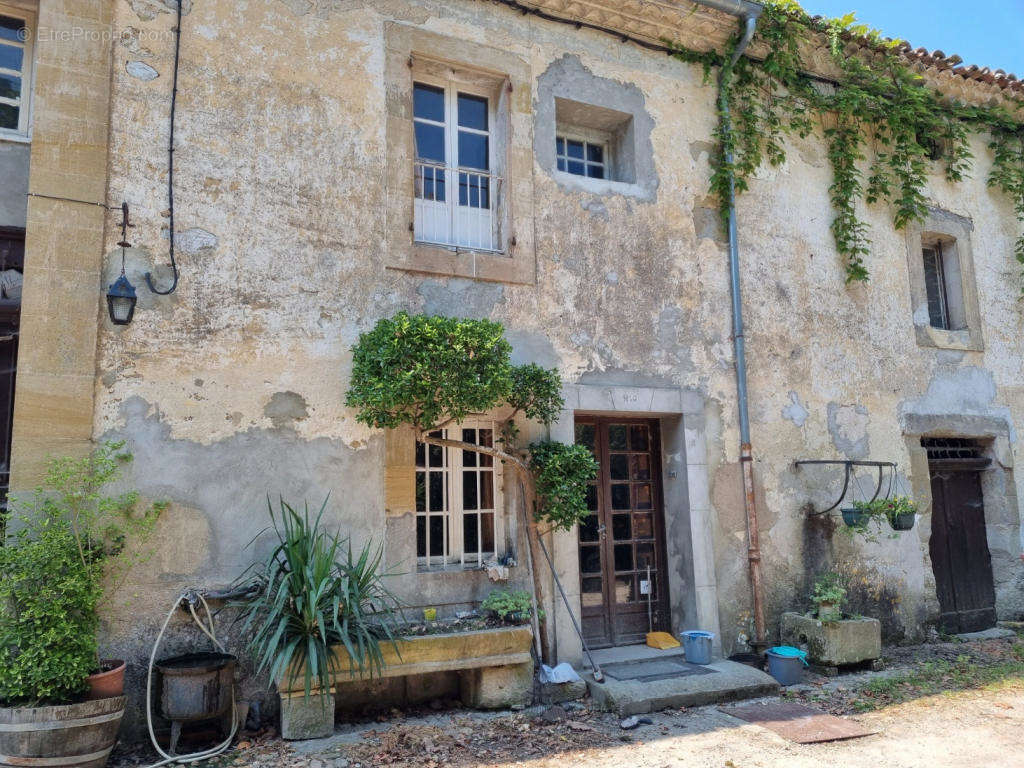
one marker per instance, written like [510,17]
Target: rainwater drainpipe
[748,13]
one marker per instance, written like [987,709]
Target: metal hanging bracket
[848,465]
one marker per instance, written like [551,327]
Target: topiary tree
[430,371]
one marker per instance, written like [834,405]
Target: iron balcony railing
[455,206]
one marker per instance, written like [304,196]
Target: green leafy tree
[428,372]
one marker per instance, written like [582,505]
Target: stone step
[728,681]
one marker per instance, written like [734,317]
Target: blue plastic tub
[697,646]
[786,664]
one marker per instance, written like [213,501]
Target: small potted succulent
[829,595]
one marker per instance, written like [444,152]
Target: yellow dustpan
[661,640]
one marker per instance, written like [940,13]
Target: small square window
[581,157]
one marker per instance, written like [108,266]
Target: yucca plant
[314,595]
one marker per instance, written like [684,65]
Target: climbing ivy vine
[884,129]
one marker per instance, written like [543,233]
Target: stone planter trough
[494,665]
[834,643]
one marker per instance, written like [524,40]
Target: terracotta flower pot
[108,682]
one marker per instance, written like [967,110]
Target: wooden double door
[959,548]
[623,574]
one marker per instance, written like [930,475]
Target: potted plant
[512,607]
[59,548]
[857,516]
[313,597]
[900,511]
[829,595]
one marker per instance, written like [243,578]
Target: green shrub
[62,543]
[313,595]
[48,621]
[509,605]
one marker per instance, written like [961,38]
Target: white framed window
[456,191]
[16,33]
[583,154]
[458,498]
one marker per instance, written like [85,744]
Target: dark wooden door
[12,256]
[959,550]
[623,582]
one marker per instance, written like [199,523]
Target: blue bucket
[697,646]
[786,664]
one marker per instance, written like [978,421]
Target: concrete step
[729,681]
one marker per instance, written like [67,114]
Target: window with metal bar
[457,500]
[455,190]
[935,283]
[15,69]
[944,285]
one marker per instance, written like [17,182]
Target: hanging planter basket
[854,518]
[903,522]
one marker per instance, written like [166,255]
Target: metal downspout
[749,13]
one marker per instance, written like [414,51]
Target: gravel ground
[981,726]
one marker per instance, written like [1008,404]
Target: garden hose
[190,597]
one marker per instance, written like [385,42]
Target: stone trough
[834,644]
[494,666]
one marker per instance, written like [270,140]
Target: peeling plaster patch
[848,426]
[795,411]
[141,70]
[612,278]
[147,10]
[961,394]
[698,148]
[707,223]
[193,240]
[459,298]
[532,348]
[597,208]
[285,408]
[227,481]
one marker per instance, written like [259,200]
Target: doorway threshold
[621,653]
[731,682]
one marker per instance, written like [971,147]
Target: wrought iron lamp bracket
[848,465]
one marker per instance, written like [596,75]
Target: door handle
[601,529]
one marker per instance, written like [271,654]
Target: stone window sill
[963,340]
[576,183]
[451,261]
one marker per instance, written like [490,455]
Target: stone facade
[293,214]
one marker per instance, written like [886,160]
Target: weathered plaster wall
[232,388]
[13,190]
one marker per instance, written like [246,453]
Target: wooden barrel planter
[72,735]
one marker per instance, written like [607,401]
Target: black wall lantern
[121,296]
